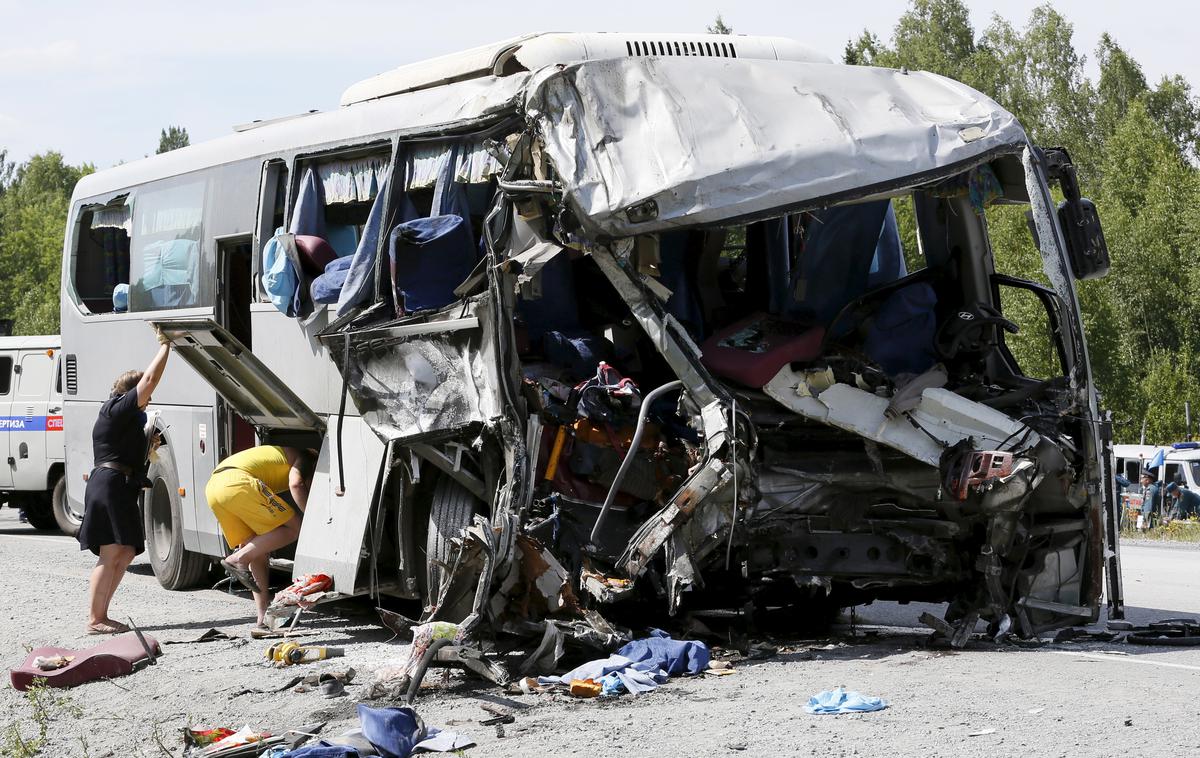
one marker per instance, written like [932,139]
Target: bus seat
[557,308]
[752,351]
[429,257]
[327,287]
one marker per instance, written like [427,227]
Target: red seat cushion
[116,656]
[752,351]
[315,254]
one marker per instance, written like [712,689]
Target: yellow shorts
[244,506]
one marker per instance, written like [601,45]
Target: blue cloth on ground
[323,749]
[393,731]
[430,257]
[673,656]
[641,665]
[840,701]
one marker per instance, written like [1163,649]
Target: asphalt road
[1071,699]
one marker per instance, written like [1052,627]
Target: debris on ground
[388,732]
[637,667]
[212,635]
[291,653]
[840,701]
[117,656]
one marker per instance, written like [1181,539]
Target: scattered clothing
[840,701]
[676,657]
[641,665]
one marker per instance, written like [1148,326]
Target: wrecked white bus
[585,322]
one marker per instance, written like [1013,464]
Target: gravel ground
[1046,700]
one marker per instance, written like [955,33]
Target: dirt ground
[1046,700]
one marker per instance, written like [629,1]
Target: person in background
[242,493]
[112,522]
[1150,498]
[1184,502]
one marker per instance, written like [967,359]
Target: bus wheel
[69,519]
[451,509]
[176,567]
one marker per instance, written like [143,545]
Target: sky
[98,81]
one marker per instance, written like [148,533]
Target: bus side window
[272,214]
[101,256]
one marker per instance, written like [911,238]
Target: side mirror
[1086,248]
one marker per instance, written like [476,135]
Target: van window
[100,260]
[165,260]
[34,380]
[1174,473]
[6,366]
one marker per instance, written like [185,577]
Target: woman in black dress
[112,524]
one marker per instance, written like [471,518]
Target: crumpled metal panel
[707,140]
[426,383]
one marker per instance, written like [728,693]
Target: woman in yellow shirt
[242,494]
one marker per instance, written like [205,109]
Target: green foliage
[175,137]
[33,214]
[44,706]
[719,26]
[1136,149]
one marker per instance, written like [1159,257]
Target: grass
[44,705]
[1176,531]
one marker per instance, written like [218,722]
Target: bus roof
[450,92]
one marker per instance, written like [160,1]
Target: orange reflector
[182,492]
[50,353]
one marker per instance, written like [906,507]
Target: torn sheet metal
[423,379]
[940,420]
[648,144]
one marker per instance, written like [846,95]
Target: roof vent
[709,49]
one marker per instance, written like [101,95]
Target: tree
[175,137]
[33,215]
[719,27]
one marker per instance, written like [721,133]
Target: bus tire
[68,519]
[175,567]
[451,509]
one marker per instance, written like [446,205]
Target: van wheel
[69,520]
[175,567]
[451,509]
[37,510]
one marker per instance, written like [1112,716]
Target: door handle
[54,410]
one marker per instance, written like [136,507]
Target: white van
[31,432]
[1181,464]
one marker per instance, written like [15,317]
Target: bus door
[33,382]
[251,389]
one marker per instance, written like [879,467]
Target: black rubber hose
[422,665]
[341,490]
[633,446]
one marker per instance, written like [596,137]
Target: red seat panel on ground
[117,656]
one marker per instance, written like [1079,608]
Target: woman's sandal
[242,575]
[102,627]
